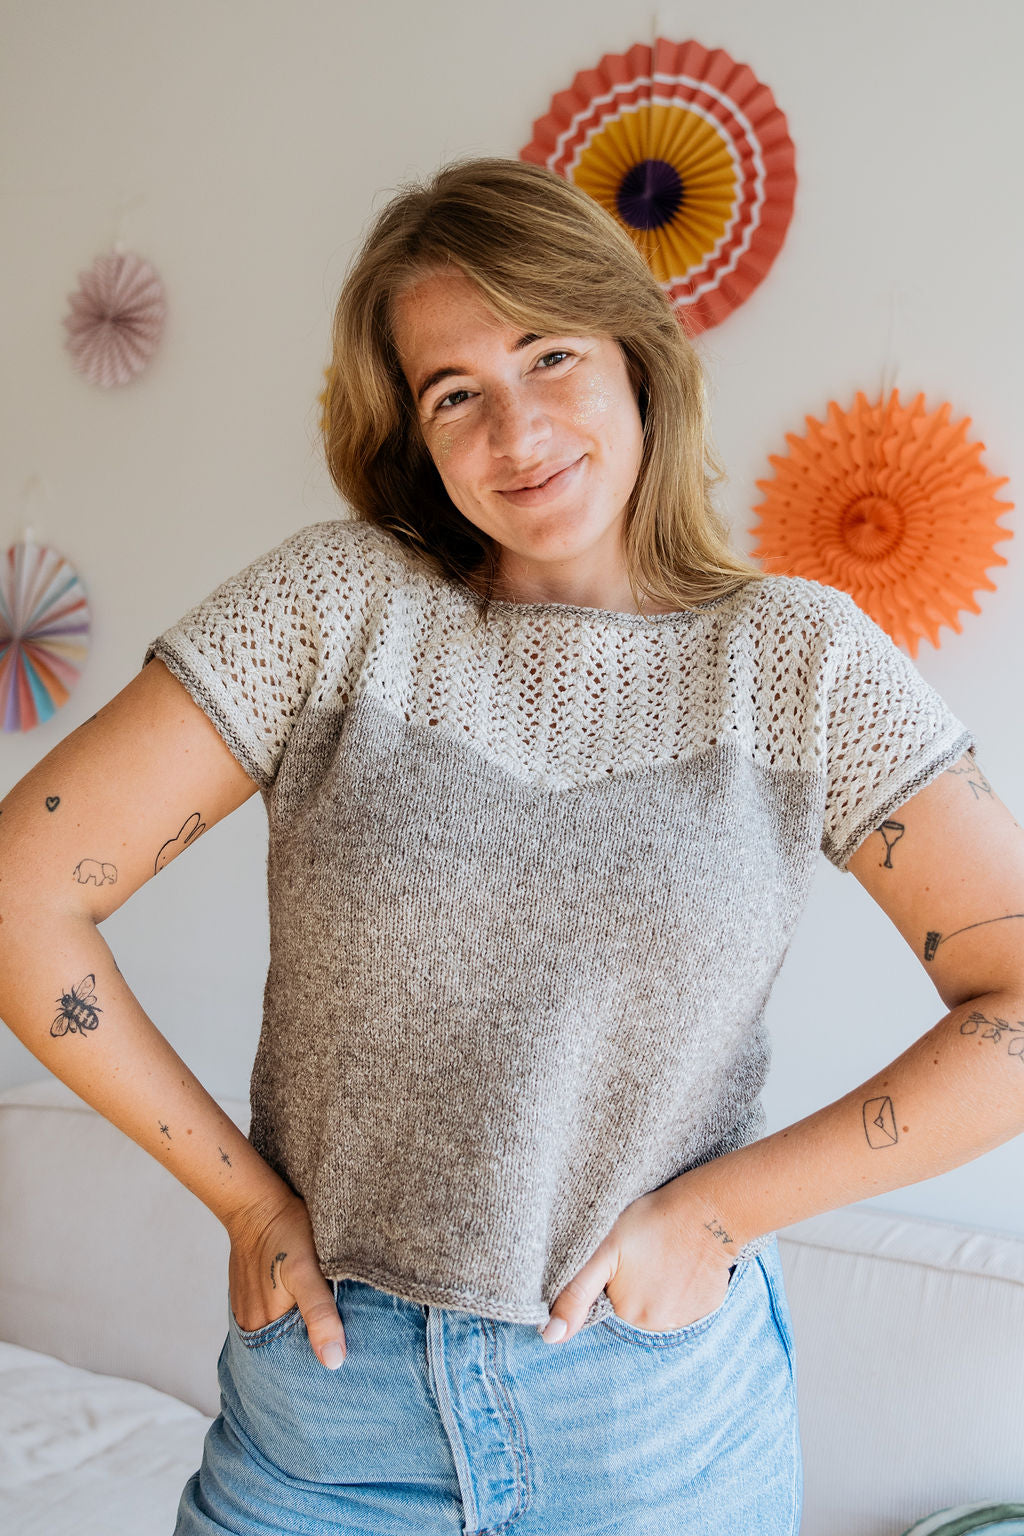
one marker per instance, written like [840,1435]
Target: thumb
[315,1300]
[574,1301]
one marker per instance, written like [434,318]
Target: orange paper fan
[688,151]
[891,504]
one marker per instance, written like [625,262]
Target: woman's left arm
[948,869]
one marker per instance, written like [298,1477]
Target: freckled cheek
[454,460]
[595,402]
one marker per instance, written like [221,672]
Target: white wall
[241,146]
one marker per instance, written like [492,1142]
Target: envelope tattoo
[880,1122]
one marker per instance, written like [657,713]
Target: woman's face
[536,438]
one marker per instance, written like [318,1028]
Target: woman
[547,768]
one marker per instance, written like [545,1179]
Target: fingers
[574,1301]
[315,1300]
[325,1330]
[275,1247]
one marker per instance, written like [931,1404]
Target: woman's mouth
[545,488]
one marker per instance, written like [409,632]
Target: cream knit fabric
[530,880]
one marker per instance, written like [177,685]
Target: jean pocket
[666,1338]
[252,1338]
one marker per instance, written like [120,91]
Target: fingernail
[556,1329]
[332,1355]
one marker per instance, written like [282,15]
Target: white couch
[113,1308]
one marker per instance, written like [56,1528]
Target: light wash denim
[445,1423]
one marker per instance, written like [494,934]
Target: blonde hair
[547,257]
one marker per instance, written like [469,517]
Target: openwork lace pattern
[787,671]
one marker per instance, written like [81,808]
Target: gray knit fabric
[531,880]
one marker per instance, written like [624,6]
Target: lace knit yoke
[531,879]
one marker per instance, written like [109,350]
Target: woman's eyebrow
[453,373]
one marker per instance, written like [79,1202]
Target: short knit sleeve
[888,732]
[247,654]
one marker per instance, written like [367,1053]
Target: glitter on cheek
[443,447]
[594,403]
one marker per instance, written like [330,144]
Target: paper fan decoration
[116,319]
[44,634]
[889,503]
[688,151]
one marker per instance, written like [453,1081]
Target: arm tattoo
[976,779]
[52,802]
[278,1258]
[891,831]
[78,1011]
[190,830]
[224,1157]
[164,1131]
[933,940]
[92,869]
[717,1230]
[880,1122]
[979,1024]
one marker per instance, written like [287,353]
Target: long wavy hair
[547,258]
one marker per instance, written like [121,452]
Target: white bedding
[88,1454]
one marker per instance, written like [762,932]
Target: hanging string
[890,367]
[123,208]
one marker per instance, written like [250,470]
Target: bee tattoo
[78,1009]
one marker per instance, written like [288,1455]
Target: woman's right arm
[102,813]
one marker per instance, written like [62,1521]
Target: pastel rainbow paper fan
[44,634]
[116,318]
[688,151]
[891,504]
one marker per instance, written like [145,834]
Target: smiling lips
[532,494]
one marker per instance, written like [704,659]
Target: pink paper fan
[116,319]
[44,634]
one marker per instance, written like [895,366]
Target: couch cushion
[88,1455]
[108,1262]
[910,1367]
[982,1519]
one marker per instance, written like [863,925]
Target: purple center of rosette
[650,194]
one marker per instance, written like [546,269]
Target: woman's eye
[455,398]
[550,359]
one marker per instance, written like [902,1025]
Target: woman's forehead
[442,317]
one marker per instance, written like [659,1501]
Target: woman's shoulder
[346,541]
[350,559]
[795,608]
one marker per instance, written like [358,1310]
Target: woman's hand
[273,1267]
[663,1265]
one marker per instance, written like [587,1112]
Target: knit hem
[897,795]
[459,1298]
[196,685]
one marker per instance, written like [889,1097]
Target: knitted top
[531,878]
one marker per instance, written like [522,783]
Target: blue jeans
[446,1423]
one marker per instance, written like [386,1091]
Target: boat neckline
[595,615]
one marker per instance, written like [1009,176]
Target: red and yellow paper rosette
[893,505]
[44,634]
[689,152]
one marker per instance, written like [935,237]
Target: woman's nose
[517,425]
